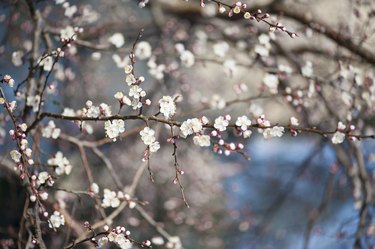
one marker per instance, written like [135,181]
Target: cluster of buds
[221,147]
[237,8]
[24,153]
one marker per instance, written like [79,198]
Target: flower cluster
[148,138]
[190,126]
[113,128]
[23,155]
[56,220]
[167,106]
[50,131]
[339,135]
[113,199]
[61,164]
[143,50]
[135,91]
[202,140]
[92,111]
[118,235]
[222,122]
[187,58]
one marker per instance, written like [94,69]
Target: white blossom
[155,70]
[217,102]
[33,101]
[120,62]
[147,135]
[114,128]
[229,67]
[130,79]
[261,50]
[94,188]
[67,33]
[70,10]
[167,106]
[56,220]
[221,123]
[51,131]
[221,48]
[187,58]
[136,92]
[110,199]
[202,140]
[190,126]
[105,110]
[338,137]
[143,50]
[93,112]
[17,58]
[117,39]
[43,177]
[307,70]
[275,131]
[294,121]
[15,155]
[68,112]
[247,133]
[243,122]
[158,241]
[272,82]
[61,163]
[341,126]
[154,147]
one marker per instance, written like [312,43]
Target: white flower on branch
[61,163]
[15,155]
[110,199]
[43,177]
[167,106]
[67,33]
[294,121]
[221,123]
[243,122]
[56,220]
[202,140]
[190,126]
[33,101]
[114,128]
[154,147]
[338,137]
[136,92]
[147,136]
[275,131]
[50,131]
